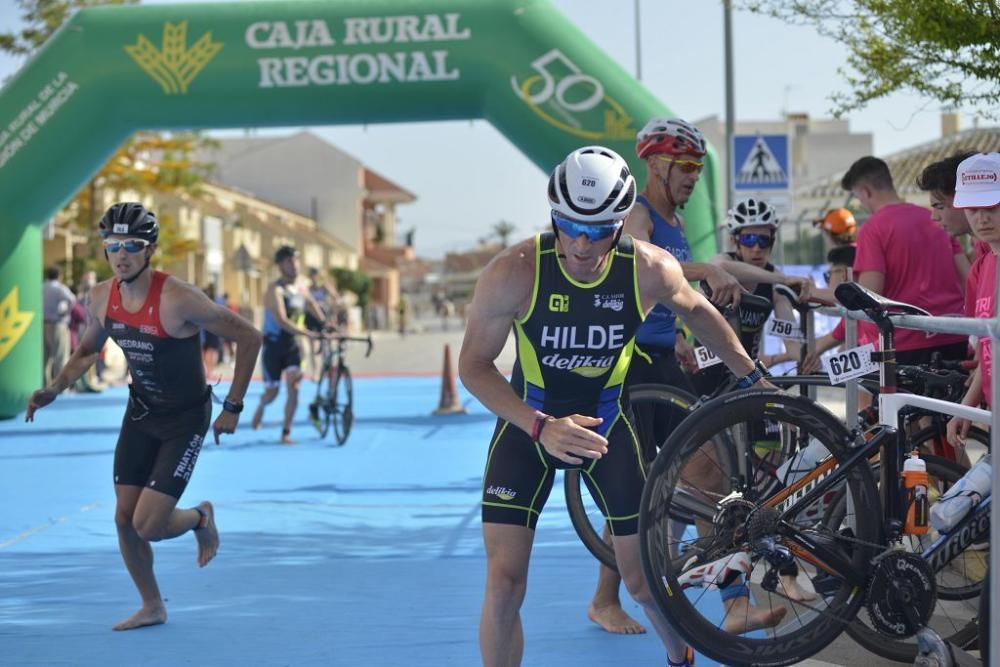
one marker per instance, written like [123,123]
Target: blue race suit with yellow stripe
[573,352]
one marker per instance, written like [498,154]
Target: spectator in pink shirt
[903,255]
[978,193]
[938,180]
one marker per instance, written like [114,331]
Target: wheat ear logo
[13,323]
[174,66]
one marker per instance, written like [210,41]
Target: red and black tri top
[166,372]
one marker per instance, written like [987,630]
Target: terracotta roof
[467,262]
[381,188]
[907,165]
[374,267]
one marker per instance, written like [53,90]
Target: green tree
[948,50]
[146,162]
[41,19]
[357,282]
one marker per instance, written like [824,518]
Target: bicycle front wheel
[319,409]
[657,409]
[718,511]
[342,400]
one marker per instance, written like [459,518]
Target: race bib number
[705,357]
[787,329]
[850,364]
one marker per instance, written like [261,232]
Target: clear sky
[467,176]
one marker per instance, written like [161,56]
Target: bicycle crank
[901,594]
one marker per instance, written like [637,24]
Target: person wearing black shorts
[286,304]
[156,320]
[575,298]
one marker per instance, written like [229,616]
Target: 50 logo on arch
[567,98]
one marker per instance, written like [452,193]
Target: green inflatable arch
[110,71]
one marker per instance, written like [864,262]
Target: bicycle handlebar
[792,294]
[354,339]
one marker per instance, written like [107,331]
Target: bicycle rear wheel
[342,402]
[711,469]
[651,404]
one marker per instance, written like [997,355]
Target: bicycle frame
[888,443]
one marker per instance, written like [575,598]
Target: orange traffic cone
[449,403]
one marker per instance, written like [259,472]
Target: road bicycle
[712,516]
[671,405]
[334,401]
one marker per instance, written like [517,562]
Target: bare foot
[742,618]
[286,439]
[148,615]
[258,417]
[614,619]
[792,589]
[206,534]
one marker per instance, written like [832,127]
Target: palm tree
[502,230]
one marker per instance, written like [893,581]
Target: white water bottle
[803,462]
[967,492]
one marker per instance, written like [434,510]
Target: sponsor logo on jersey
[146,329]
[117,325]
[501,492]
[559,303]
[615,302]
[582,364]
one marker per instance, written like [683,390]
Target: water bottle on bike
[915,482]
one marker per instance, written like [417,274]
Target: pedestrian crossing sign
[760,162]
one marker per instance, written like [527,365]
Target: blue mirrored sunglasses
[759,240]
[130,245]
[593,231]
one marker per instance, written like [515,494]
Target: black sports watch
[753,377]
[230,406]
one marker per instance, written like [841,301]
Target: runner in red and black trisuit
[156,320]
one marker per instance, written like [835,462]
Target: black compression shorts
[159,450]
[519,476]
[278,356]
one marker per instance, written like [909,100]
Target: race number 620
[552,87]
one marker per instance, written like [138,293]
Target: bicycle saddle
[853,296]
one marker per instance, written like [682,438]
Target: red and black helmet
[669,136]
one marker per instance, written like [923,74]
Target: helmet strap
[666,187]
[128,281]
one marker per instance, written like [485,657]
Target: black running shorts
[159,451]
[279,356]
[519,475]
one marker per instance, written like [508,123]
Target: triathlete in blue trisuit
[286,304]
[575,299]
[155,319]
